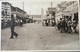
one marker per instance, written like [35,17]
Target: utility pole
[62,11]
[23,5]
[51,9]
[42,13]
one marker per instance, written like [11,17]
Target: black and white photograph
[40,25]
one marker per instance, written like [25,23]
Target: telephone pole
[42,13]
[51,9]
[23,5]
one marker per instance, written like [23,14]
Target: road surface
[37,37]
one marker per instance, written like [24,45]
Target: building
[19,13]
[67,9]
[50,16]
[51,12]
[6,11]
[5,14]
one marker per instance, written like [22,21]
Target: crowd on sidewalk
[48,22]
[66,25]
[63,25]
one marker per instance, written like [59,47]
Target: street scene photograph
[40,25]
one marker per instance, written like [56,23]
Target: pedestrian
[66,26]
[61,25]
[74,25]
[52,22]
[47,23]
[21,22]
[69,26]
[58,25]
[43,23]
[12,27]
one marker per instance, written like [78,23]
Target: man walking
[12,27]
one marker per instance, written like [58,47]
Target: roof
[51,9]
[35,16]
[21,9]
[6,3]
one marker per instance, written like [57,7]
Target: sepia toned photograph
[40,25]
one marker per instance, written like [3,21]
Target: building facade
[5,14]
[51,12]
[6,11]
[67,9]
[50,16]
[19,13]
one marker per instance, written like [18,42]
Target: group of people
[66,25]
[20,21]
[48,23]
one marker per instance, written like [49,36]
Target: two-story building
[7,10]
[19,13]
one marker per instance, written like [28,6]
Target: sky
[33,7]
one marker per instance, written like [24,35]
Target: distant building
[51,10]
[51,13]
[35,16]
